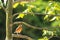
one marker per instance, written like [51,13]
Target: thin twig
[35,27]
[27,1]
[18,13]
[28,25]
[47,14]
[37,14]
[53,36]
[21,36]
[15,14]
[2,6]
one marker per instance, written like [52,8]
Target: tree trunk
[9,20]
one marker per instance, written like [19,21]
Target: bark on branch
[3,8]
[43,14]
[27,1]
[22,36]
[1,5]
[28,25]
[9,9]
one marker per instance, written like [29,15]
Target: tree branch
[1,5]
[9,9]
[22,36]
[18,13]
[3,8]
[54,36]
[28,25]
[15,14]
[27,1]
[37,14]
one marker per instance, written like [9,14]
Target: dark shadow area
[55,38]
[2,24]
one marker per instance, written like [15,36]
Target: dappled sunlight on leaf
[52,9]
[44,38]
[46,32]
[32,6]
[21,15]
[57,17]
[46,17]
[15,5]
[23,3]
[56,24]
[53,19]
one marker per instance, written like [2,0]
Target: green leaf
[44,32]
[53,19]
[15,5]
[23,3]
[44,38]
[56,23]
[1,4]
[21,15]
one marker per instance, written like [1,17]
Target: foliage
[45,38]
[51,8]
[27,14]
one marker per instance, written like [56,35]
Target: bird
[18,29]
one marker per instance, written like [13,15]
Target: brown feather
[18,29]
